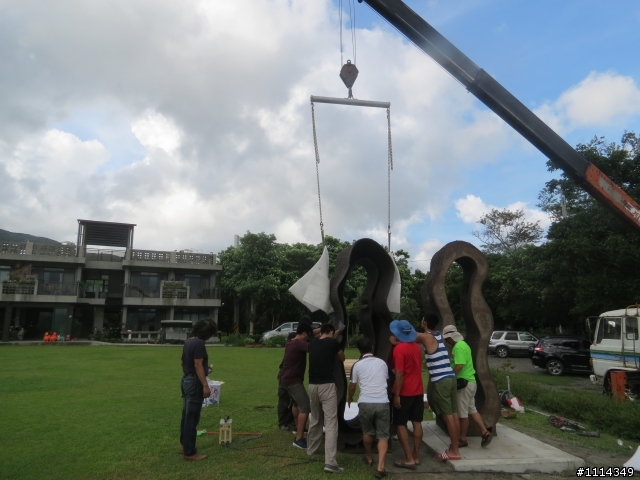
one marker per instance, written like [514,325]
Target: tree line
[587,263]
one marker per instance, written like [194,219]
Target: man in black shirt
[194,386]
[322,393]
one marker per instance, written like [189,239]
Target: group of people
[320,405]
[391,393]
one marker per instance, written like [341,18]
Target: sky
[192,120]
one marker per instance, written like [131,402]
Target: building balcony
[38,292]
[39,252]
[171,293]
[173,260]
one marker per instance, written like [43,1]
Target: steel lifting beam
[350,101]
[508,107]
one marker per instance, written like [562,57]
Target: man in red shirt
[408,391]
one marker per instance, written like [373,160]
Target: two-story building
[100,283]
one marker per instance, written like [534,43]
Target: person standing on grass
[322,393]
[292,378]
[462,364]
[408,390]
[443,400]
[194,385]
[371,374]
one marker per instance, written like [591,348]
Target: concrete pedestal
[509,452]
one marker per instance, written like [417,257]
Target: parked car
[509,343]
[559,354]
[284,330]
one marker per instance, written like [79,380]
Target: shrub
[277,341]
[249,341]
[353,340]
[600,412]
[224,339]
[237,339]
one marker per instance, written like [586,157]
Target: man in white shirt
[371,374]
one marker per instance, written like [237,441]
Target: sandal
[444,456]
[401,464]
[367,462]
[462,444]
[486,438]
[380,474]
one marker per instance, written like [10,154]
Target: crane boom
[509,108]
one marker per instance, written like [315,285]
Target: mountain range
[7,236]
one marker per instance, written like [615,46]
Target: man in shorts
[373,404]
[442,397]
[465,373]
[408,390]
[292,378]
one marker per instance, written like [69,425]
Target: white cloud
[217,94]
[154,130]
[600,100]
[471,208]
[422,260]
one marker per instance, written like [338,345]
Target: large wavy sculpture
[475,312]
[374,315]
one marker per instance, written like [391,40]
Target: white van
[616,345]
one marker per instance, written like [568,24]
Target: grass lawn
[98,412]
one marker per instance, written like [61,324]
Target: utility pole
[236,300]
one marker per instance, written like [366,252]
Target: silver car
[509,343]
[284,330]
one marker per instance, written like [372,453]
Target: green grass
[535,423]
[114,412]
[554,395]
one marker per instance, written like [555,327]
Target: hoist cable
[315,145]
[340,20]
[352,15]
[389,168]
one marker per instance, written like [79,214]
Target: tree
[252,272]
[507,230]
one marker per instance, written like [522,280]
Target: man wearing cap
[462,364]
[408,390]
[442,397]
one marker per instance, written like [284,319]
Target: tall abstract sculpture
[476,314]
[374,314]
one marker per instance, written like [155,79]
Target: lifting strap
[359,103]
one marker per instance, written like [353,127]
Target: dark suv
[559,354]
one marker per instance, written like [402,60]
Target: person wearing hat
[408,390]
[462,364]
[442,396]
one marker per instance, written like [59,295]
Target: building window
[4,273]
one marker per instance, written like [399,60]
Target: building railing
[17,288]
[30,248]
[174,289]
[83,293]
[53,250]
[173,257]
[100,255]
[205,293]
[196,258]
[141,292]
[151,256]
[18,248]
[58,288]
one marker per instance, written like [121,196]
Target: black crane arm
[509,108]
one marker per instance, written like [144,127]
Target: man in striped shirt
[443,399]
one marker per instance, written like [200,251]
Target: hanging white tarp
[312,290]
[393,299]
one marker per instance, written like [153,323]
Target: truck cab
[616,346]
